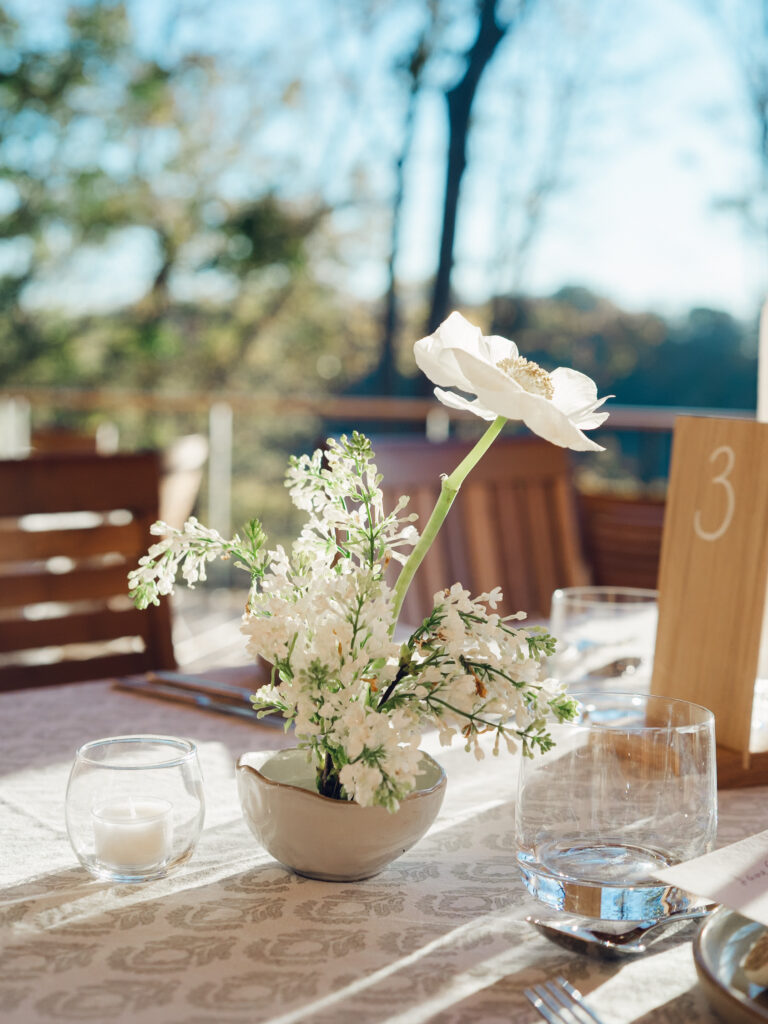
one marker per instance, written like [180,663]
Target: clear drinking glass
[628,789]
[134,806]
[605,636]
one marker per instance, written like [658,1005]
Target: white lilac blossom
[558,406]
[323,615]
[188,550]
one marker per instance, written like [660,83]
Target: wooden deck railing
[20,407]
[337,407]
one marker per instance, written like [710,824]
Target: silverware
[226,698]
[558,1001]
[199,684]
[577,935]
[616,668]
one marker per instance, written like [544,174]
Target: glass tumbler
[605,637]
[134,806]
[628,789]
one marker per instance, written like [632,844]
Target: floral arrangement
[324,616]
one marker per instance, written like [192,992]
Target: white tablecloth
[233,938]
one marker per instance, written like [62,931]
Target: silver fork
[560,1003]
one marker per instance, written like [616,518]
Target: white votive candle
[132,834]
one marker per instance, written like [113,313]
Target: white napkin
[736,876]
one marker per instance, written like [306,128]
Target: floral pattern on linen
[174,953]
[232,938]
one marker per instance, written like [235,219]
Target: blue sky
[659,132]
[638,219]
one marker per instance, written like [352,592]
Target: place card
[713,577]
[736,876]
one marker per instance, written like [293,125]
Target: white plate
[718,949]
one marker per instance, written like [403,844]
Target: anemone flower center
[529,375]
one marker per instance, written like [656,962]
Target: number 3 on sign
[730,504]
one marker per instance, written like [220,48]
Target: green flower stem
[448,491]
[328,780]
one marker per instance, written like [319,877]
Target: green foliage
[263,234]
[706,359]
[96,136]
[702,361]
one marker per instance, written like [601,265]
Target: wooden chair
[513,524]
[71,526]
[622,538]
[61,441]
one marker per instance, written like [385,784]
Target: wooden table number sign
[712,586]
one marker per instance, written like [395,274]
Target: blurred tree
[459,100]
[743,24]
[700,361]
[102,146]
[384,379]
[555,75]
[577,328]
[511,103]
[258,180]
[144,241]
[703,362]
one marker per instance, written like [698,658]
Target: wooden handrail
[659,418]
[425,414]
[374,407]
[342,407]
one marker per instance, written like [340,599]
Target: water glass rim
[185,749]
[589,592]
[623,699]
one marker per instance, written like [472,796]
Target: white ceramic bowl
[333,840]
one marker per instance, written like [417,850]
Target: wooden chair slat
[494,537]
[437,571]
[14,677]
[76,483]
[481,536]
[515,567]
[542,545]
[622,538]
[130,539]
[85,627]
[35,587]
[567,539]
[100,556]
[60,440]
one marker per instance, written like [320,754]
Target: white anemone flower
[557,406]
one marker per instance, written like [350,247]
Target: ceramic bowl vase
[333,840]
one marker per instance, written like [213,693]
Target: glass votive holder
[605,637]
[628,789]
[134,806]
